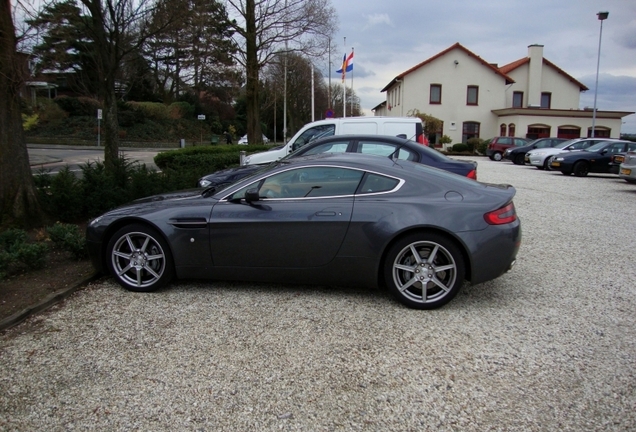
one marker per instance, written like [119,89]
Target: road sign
[329,113]
[201,117]
[99,114]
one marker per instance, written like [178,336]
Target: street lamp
[602,16]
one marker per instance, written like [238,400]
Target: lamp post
[602,16]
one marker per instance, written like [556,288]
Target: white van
[407,127]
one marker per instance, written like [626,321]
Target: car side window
[579,145]
[616,148]
[380,148]
[374,183]
[313,133]
[505,141]
[331,147]
[631,146]
[544,144]
[306,182]
[519,143]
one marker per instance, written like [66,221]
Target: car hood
[172,196]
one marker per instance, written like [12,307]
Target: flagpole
[351,86]
[344,82]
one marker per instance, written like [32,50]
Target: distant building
[530,97]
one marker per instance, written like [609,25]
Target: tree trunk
[19,204]
[111,128]
[254,134]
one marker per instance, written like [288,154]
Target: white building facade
[530,97]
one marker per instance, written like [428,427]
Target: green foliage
[181,110]
[49,111]
[481,146]
[64,196]
[431,124]
[17,254]
[445,139]
[78,106]
[29,121]
[151,110]
[68,237]
[473,143]
[460,147]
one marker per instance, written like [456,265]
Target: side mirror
[251,195]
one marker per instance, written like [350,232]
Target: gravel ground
[551,345]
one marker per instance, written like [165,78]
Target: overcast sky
[390,37]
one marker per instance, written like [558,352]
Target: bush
[78,106]
[481,147]
[151,110]
[181,110]
[460,147]
[65,196]
[68,237]
[29,121]
[49,111]
[445,139]
[473,143]
[16,254]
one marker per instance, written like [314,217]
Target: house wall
[522,123]
[565,94]
[455,79]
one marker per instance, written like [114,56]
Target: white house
[530,97]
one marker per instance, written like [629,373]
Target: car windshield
[564,144]
[597,146]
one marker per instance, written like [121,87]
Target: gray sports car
[338,219]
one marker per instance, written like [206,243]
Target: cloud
[377,19]
[626,37]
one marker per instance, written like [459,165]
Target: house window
[517,99]
[511,129]
[546,99]
[569,132]
[502,129]
[538,131]
[436,94]
[599,132]
[470,130]
[472,95]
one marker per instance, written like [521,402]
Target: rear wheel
[424,271]
[496,156]
[520,159]
[139,258]
[581,169]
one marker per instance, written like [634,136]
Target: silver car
[541,158]
[627,170]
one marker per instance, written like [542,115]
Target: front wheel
[581,169]
[496,156]
[424,271]
[520,160]
[139,258]
[547,162]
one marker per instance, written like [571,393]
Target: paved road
[55,157]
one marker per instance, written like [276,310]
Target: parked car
[541,158]
[518,154]
[227,176]
[627,169]
[397,148]
[594,159]
[495,147]
[419,230]
[243,140]
[405,127]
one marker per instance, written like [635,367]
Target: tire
[442,275]
[546,163]
[139,258]
[520,159]
[581,169]
[496,156]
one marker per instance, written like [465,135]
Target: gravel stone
[551,345]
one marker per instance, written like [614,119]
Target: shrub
[460,147]
[152,110]
[78,106]
[68,237]
[181,110]
[473,143]
[29,121]
[481,147]
[65,196]
[49,111]
[16,254]
[445,139]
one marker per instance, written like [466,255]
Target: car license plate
[555,164]
[626,171]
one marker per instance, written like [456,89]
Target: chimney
[535,54]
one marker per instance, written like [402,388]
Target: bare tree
[18,199]
[268,26]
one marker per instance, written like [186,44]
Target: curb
[49,301]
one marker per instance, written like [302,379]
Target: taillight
[472,174]
[504,215]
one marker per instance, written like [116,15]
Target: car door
[299,221]
[601,163]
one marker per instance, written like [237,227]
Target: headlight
[94,221]
[539,153]
[204,183]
